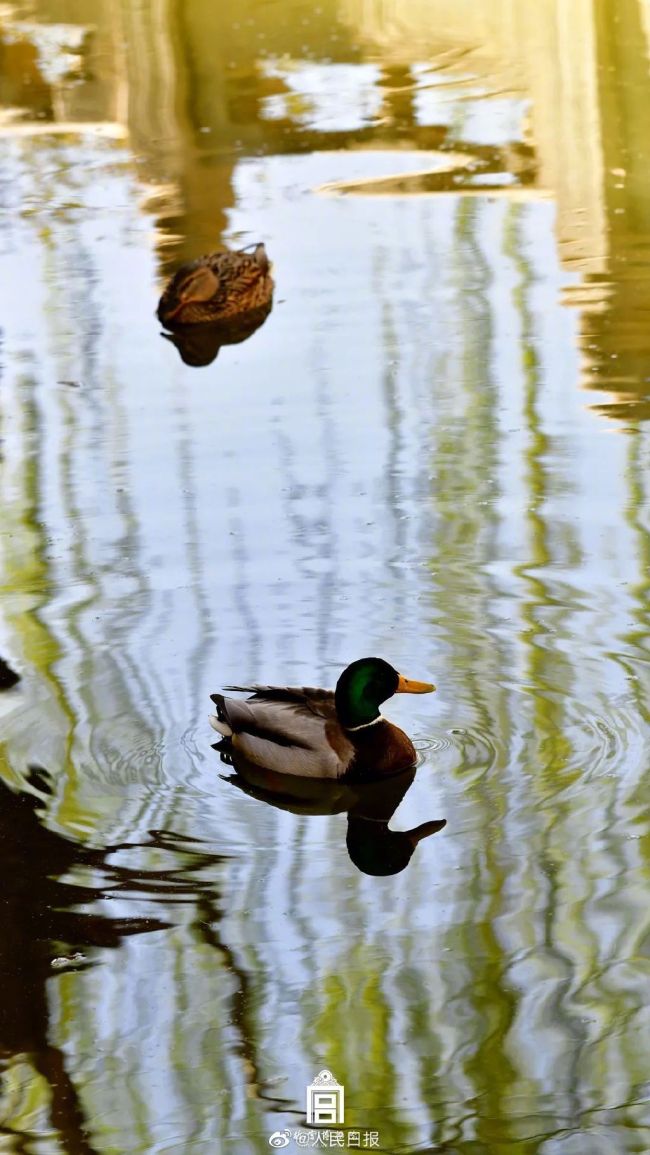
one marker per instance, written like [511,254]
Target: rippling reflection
[372,846]
[53,923]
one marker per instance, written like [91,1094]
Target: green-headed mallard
[216,287]
[322,733]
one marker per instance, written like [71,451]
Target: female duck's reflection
[199,345]
[372,846]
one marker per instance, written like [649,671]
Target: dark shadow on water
[8,677]
[199,345]
[48,925]
[373,847]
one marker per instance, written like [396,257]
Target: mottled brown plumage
[217,287]
[317,733]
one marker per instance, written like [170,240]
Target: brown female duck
[322,733]
[218,287]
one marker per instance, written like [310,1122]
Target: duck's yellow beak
[408,686]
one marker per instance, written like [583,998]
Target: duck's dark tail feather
[224,750]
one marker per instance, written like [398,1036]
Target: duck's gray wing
[288,730]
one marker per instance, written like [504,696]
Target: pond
[434,449]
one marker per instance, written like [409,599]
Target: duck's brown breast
[381,749]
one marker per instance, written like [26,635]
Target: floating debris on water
[67,960]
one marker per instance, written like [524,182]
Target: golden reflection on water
[402,459]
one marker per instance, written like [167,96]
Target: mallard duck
[216,287]
[322,733]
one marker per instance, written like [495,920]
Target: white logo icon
[280,1139]
[325,1101]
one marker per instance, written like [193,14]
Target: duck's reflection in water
[373,847]
[44,933]
[199,344]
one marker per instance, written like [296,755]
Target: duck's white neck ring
[365,725]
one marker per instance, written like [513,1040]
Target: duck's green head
[363,687]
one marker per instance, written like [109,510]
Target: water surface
[434,449]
